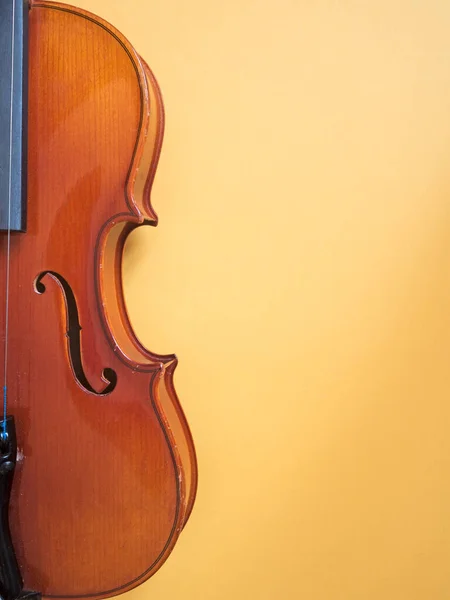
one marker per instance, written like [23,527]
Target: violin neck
[13,113]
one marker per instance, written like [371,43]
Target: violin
[98,472]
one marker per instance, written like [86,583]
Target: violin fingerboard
[13,113]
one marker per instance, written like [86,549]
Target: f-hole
[73,336]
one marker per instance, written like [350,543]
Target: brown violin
[98,472]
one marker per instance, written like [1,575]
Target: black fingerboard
[13,151]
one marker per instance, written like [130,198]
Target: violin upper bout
[151,149]
[109,79]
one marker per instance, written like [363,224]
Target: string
[8,252]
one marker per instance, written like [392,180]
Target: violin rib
[106,476]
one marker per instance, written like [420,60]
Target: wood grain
[105,483]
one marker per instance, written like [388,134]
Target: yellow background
[301,272]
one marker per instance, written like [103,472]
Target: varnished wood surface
[105,483]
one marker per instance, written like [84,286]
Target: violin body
[106,471]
